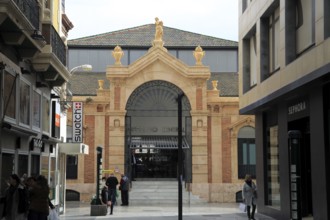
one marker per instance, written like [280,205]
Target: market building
[130,109]
[284,66]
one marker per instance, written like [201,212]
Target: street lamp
[84,67]
[64,93]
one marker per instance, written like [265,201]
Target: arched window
[246,152]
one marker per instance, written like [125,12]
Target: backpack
[23,199]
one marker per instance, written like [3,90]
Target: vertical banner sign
[77,122]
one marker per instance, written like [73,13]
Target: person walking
[124,187]
[39,201]
[112,183]
[249,194]
[15,199]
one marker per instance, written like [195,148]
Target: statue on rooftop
[159,30]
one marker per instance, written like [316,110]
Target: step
[160,193]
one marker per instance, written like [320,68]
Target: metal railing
[30,9]
[54,39]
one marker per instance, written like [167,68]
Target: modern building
[284,66]
[131,110]
[32,64]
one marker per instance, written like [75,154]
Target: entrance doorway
[302,125]
[151,132]
[156,163]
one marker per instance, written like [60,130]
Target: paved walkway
[210,211]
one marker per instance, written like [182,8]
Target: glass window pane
[273,168]
[245,154]
[24,108]
[52,181]
[9,92]
[22,165]
[35,165]
[7,168]
[44,166]
[45,114]
[36,109]
[252,152]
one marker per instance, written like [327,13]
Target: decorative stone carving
[215,84]
[101,83]
[158,41]
[117,53]
[199,54]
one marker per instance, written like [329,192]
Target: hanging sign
[77,122]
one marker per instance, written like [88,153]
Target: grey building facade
[284,66]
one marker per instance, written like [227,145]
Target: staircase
[160,192]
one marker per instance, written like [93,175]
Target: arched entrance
[151,131]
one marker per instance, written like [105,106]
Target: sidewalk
[211,211]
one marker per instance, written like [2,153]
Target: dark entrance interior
[156,163]
[306,181]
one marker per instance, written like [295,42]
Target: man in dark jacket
[124,187]
[112,183]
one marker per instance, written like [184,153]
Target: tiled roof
[86,84]
[227,83]
[142,36]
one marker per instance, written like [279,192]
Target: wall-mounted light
[37,35]
[41,84]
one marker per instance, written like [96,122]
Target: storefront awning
[158,142]
[74,148]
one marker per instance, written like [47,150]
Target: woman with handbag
[249,194]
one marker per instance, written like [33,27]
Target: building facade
[32,64]
[284,66]
[130,110]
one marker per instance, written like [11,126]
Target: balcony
[18,20]
[51,62]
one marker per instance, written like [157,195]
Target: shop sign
[77,122]
[298,109]
[36,143]
[301,106]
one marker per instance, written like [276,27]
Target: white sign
[77,122]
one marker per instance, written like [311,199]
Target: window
[305,26]
[24,108]
[9,89]
[71,167]
[274,38]
[253,60]
[249,68]
[246,152]
[45,114]
[273,175]
[36,109]
[52,180]
[22,165]
[35,165]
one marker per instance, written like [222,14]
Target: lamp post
[180,170]
[64,92]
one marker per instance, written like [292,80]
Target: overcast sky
[217,18]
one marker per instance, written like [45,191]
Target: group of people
[109,191]
[26,199]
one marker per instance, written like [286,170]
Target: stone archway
[151,131]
